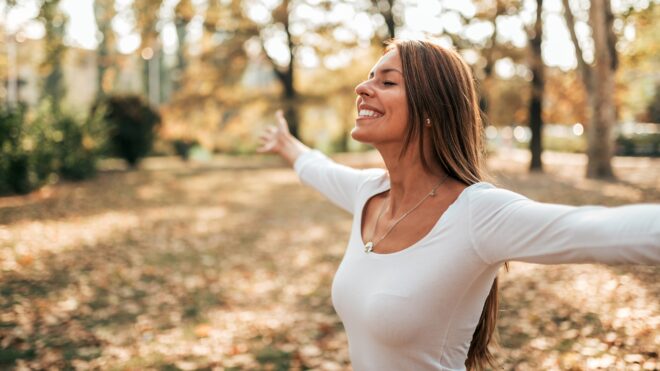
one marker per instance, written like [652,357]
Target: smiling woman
[382,108]
[417,287]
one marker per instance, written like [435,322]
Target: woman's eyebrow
[385,70]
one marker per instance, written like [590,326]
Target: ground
[228,265]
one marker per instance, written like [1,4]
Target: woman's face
[381,103]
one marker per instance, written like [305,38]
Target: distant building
[80,74]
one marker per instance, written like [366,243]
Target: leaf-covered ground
[228,266]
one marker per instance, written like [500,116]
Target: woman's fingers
[265,148]
[269,137]
[267,143]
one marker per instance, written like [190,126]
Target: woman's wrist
[292,149]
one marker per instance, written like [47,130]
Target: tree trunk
[286,74]
[583,67]
[388,14]
[538,82]
[181,62]
[385,9]
[601,97]
[104,13]
[183,13]
[489,55]
[101,68]
[51,66]
[290,98]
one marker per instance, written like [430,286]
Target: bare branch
[585,69]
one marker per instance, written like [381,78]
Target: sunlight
[424,19]
[82,25]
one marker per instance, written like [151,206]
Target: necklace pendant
[368,247]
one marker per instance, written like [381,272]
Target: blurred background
[178,250]
[214,71]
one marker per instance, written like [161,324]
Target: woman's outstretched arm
[278,140]
[507,226]
[337,182]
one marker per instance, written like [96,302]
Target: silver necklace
[369,246]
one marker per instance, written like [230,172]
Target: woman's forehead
[390,61]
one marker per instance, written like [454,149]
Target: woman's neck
[409,180]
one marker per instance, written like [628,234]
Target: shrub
[17,170]
[183,147]
[131,126]
[34,151]
[66,143]
[80,146]
[638,145]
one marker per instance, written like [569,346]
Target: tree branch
[585,69]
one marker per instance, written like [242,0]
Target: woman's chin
[359,135]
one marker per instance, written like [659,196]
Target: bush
[67,144]
[33,152]
[638,145]
[17,170]
[182,147]
[80,146]
[131,126]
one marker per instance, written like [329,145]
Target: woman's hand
[277,139]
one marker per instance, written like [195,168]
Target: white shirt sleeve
[506,226]
[339,183]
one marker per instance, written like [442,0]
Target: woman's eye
[388,83]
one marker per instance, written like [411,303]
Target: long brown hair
[440,88]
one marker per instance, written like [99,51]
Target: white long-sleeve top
[417,309]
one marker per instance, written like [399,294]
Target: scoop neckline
[385,187]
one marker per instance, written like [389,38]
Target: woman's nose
[363,89]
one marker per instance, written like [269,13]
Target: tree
[599,82]
[491,50]
[489,53]
[637,72]
[285,73]
[280,29]
[146,19]
[183,14]
[54,21]
[390,11]
[538,81]
[104,12]
[653,109]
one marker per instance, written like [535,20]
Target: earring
[428,122]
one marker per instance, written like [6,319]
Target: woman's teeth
[368,113]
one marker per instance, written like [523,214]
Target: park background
[139,230]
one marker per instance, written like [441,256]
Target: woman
[417,287]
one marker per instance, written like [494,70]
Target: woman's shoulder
[485,194]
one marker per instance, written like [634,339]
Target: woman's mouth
[368,114]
